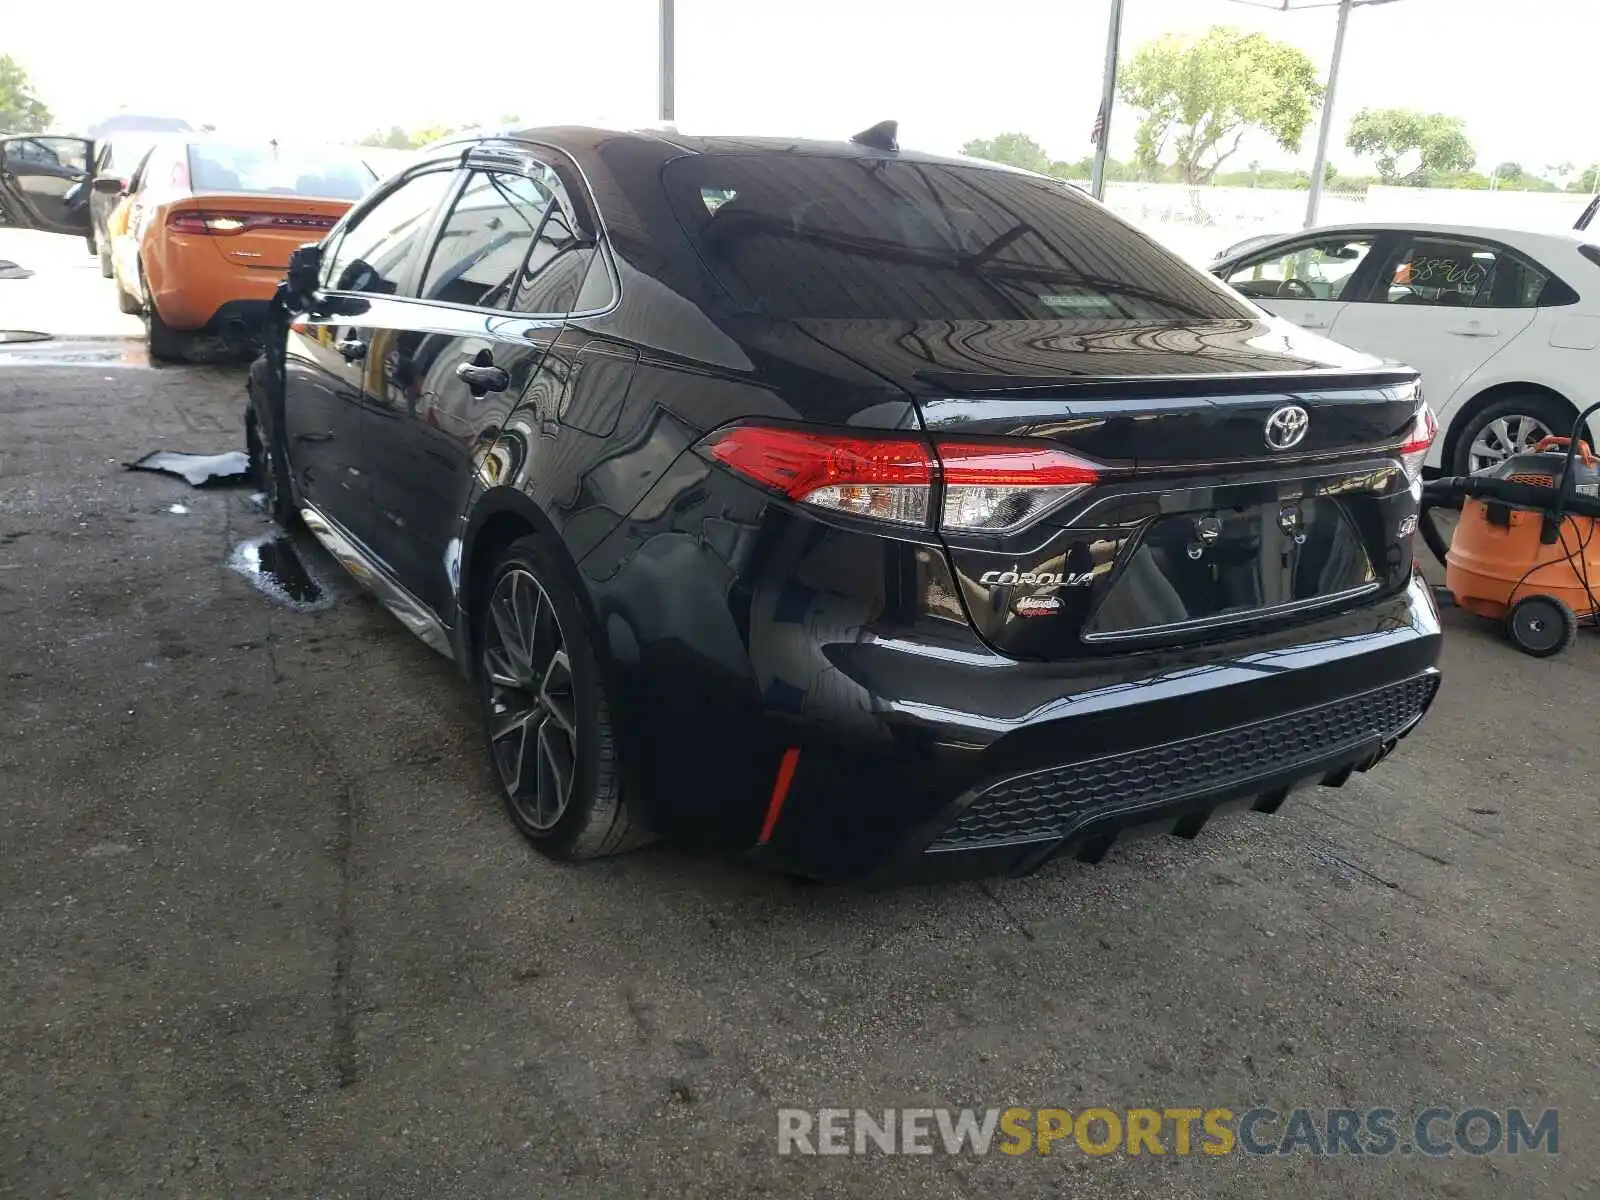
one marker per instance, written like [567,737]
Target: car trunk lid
[1249,475]
[255,231]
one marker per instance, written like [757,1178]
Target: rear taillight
[228,223]
[997,488]
[887,479]
[986,487]
[1414,451]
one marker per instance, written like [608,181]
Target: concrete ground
[266,931]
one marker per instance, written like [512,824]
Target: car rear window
[269,169]
[806,236]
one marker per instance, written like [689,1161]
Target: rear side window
[797,236]
[270,169]
[557,262]
[376,250]
[1451,272]
[483,245]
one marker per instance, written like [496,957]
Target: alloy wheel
[1503,437]
[533,727]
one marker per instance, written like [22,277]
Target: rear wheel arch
[500,518]
[1463,416]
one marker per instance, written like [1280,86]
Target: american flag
[1097,129]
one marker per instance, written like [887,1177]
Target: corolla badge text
[1039,578]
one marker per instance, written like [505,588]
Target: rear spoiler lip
[1160,386]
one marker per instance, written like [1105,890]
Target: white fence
[1200,222]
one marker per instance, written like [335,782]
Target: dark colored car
[117,156]
[854,509]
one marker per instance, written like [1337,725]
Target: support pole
[1326,128]
[1108,96]
[667,64]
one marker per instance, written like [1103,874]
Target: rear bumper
[1016,823]
[194,287]
[957,795]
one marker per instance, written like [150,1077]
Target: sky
[1520,71]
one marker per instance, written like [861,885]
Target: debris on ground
[199,470]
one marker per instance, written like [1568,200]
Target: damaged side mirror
[305,273]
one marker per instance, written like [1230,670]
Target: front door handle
[482,376]
[1313,324]
[351,349]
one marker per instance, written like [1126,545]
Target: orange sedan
[210,226]
[203,229]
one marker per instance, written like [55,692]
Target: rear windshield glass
[798,236]
[268,169]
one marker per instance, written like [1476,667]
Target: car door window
[376,251]
[1319,270]
[1451,272]
[479,256]
[553,274]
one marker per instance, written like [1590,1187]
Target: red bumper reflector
[780,792]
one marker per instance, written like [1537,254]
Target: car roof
[1499,233]
[577,139]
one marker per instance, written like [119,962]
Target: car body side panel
[322,420]
[427,436]
[1570,371]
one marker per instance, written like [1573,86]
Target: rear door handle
[483,377]
[1313,325]
[351,349]
[1471,331]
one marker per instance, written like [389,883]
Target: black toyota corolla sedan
[848,508]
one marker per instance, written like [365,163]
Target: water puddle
[274,566]
[198,469]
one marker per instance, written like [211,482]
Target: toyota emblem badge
[1286,427]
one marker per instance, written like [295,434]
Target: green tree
[1588,180]
[1013,149]
[1200,96]
[1510,174]
[20,110]
[395,139]
[1431,144]
[1083,169]
[401,139]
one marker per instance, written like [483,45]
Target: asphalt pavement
[267,932]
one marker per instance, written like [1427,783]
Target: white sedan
[1503,324]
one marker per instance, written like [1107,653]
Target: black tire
[269,468]
[166,343]
[527,616]
[1541,626]
[127,302]
[103,252]
[1522,414]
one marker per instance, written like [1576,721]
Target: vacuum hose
[1449,491]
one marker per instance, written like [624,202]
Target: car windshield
[805,236]
[229,167]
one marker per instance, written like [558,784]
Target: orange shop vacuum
[1524,551]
